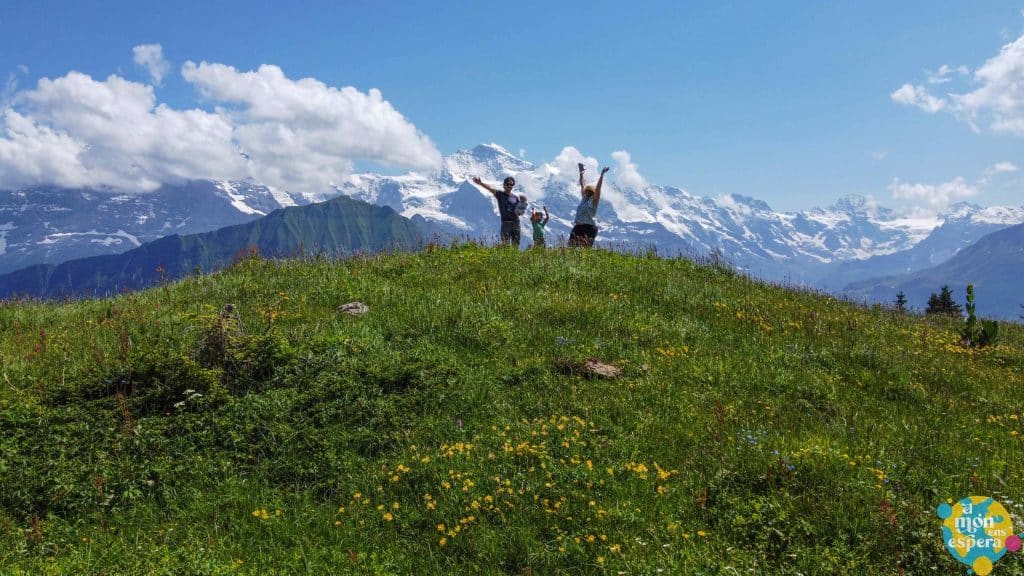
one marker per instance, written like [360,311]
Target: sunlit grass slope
[753,429]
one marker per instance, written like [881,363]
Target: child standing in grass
[539,223]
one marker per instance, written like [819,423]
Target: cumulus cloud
[935,197]
[627,174]
[567,164]
[918,96]
[110,133]
[997,97]
[300,135]
[151,57]
[305,131]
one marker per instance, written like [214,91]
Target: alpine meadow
[242,423]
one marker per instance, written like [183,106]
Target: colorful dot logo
[978,532]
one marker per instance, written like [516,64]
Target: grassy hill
[450,430]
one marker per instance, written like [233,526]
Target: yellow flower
[388,517]
[615,548]
[442,541]
[701,533]
[395,505]
[441,527]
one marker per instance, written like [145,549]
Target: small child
[539,223]
[521,205]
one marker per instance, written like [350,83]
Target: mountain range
[823,247]
[994,264]
[850,241]
[47,225]
[335,227]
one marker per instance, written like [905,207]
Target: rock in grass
[353,309]
[589,368]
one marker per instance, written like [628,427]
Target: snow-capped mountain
[801,246]
[960,226]
[828,247]
[53,225]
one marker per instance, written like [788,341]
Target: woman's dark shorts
[583,235]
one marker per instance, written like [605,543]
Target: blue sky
[792,102]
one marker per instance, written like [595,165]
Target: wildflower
[442,541]
[388,517]
[615,548]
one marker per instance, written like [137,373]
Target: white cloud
[296,135]
[151,57]
[627,174]
[567,164]
[110,133]
[1002,167]
[935,197]
[997,99]
[305,132]
[918,96]
[995,170]
[945,72]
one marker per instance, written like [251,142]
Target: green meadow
[454,428]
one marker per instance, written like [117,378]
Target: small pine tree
[943,304]
[901,302]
